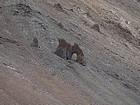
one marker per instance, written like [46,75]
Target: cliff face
[107,31]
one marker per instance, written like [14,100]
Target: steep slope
[108,32]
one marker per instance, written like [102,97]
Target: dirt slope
[108,32]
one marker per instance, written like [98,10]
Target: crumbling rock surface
[32,74]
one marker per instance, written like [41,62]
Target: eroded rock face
[36,76]
[80,55]
[125,33]
[64,49]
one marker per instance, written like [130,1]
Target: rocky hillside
[107,31]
